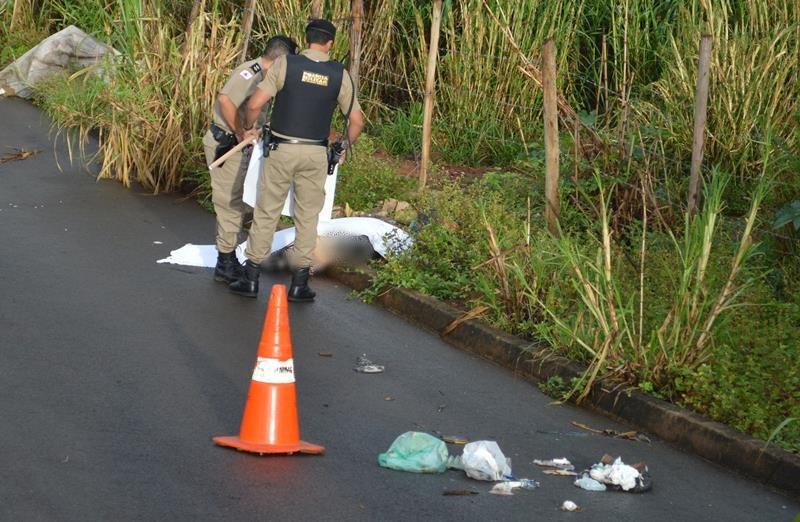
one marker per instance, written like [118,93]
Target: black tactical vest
[304,107]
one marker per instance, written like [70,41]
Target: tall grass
[627,67]
[754,81]
[155,108]
[627,332]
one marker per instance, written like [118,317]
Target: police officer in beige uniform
[227,129]
[307,88]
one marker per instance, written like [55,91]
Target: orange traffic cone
[269,423]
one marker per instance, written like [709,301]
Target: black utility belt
[225,140]
[277,139]
[220,134]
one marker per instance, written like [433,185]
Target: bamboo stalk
[430,81]
[529,69]
[700,113]
[576,139]
[550,135]
[316,8]
[190,25]
[247,26]
[15,14]
[357,13]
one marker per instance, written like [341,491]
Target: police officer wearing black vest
[307,88]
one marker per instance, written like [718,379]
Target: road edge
[689,431]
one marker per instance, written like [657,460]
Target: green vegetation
[697,320]
[368,180]
[704,312]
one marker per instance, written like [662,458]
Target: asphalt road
[116,371]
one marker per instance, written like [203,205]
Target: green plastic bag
[416,452]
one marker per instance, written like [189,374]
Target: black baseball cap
[323,26]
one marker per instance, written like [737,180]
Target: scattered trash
[503,488]
[158,242]
[483,460]
[608,432]
[560,472]
[325,354]
[459,492]
[529,483]
[562,464]
[387,398]
[589,484]
[564,433]
[416,452]
[506,487]
[364,365]
[441,408]
[19,155]
[569,505]
[452,439]
[621,476]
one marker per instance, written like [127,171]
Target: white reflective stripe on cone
[274,371]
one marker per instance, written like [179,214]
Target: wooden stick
[231,152]
[357,13]
[530,70]
[700,112]
[430,81]
[550,135]
[247,26]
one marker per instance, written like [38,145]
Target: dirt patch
[409,167]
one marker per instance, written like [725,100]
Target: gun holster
[225,141]
[334,155]
[267,140]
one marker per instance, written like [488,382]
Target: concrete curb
[689,431]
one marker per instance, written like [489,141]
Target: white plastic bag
[617,474]
[251,186]
[483,460]
[64,51]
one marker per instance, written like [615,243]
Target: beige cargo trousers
[305,167]
[227,188]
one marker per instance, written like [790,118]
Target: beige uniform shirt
[276,75]
[239,87]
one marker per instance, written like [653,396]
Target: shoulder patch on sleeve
[256,68]
[246,74]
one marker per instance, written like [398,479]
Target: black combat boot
[228,268]
[247,284]
[299,292]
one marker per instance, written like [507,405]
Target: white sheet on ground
[251,186]
[383,237]
[198,255]
[64,51]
